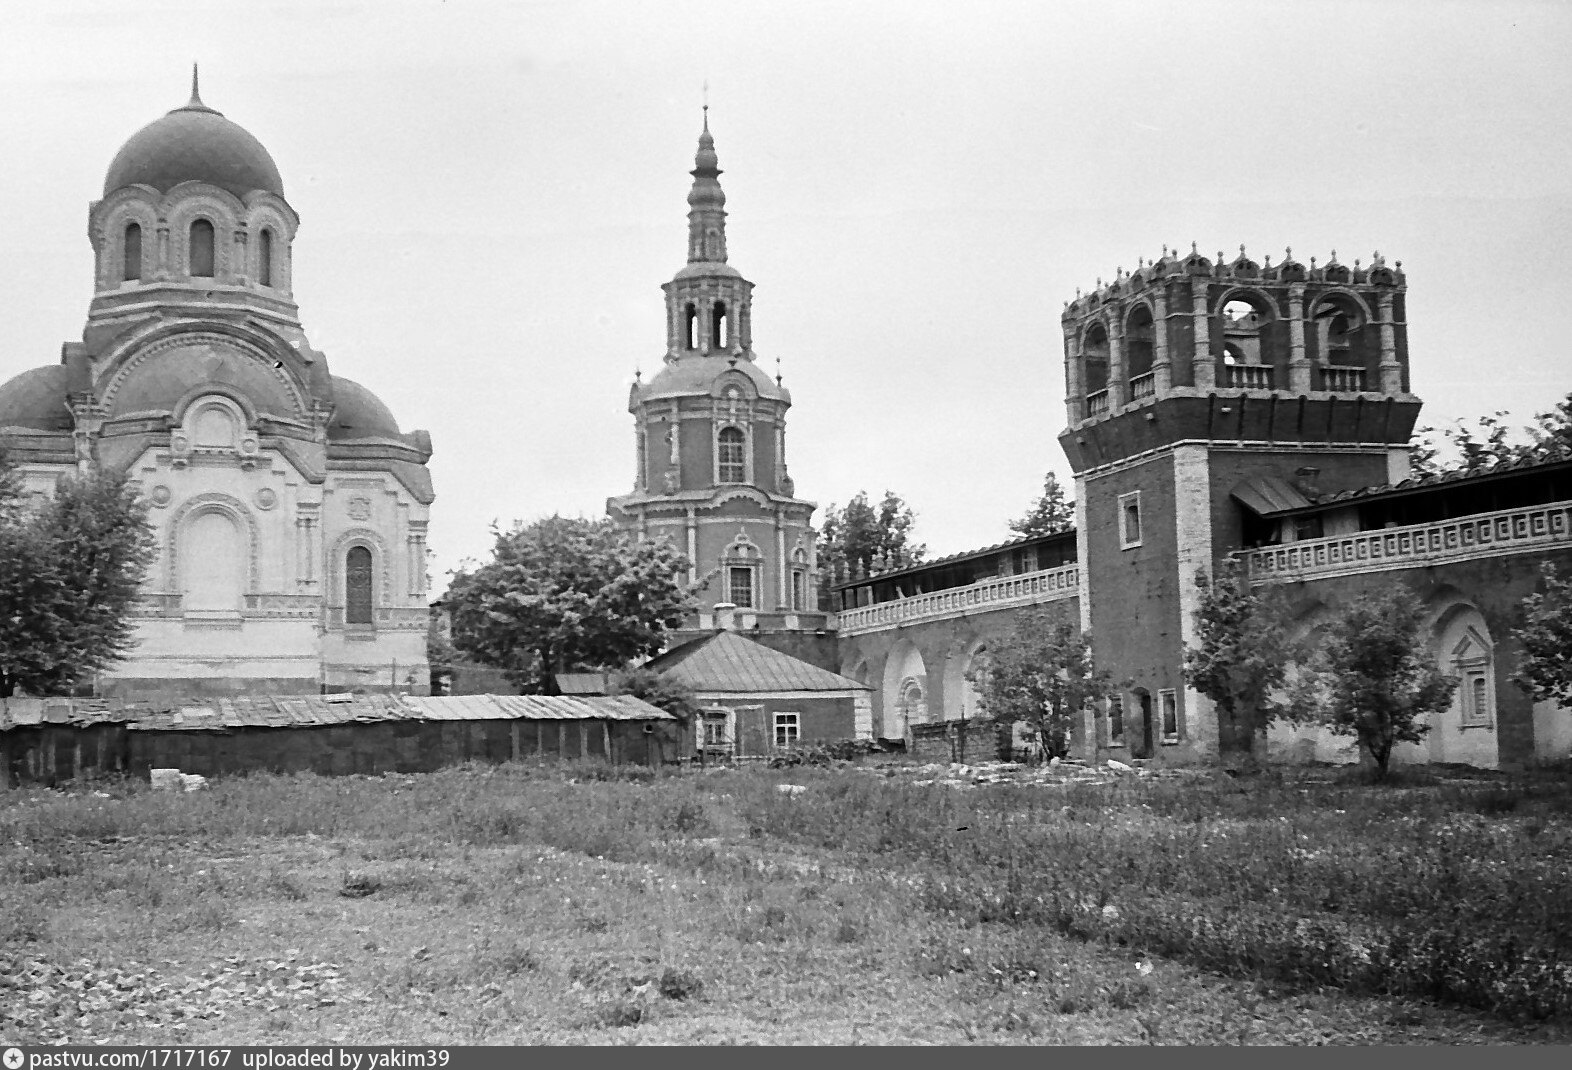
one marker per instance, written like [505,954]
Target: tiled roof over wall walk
[310,711]
[734,664]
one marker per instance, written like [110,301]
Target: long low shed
[49,741]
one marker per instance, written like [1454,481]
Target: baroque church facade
[288,507]
[710,444]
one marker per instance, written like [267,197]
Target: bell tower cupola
[708,302]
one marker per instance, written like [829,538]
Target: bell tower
[710,446]
[1205,402]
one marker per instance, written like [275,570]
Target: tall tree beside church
[1546,635]
[863,538]
[70,573]
[563,595]
[1049,514]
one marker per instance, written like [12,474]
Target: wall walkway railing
[1046,585]
[1481,535]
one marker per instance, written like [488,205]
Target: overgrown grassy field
[576,904]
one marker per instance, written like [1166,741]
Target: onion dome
[194,142]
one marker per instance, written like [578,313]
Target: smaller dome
[36,400]
[358,413]
[700,269]
[695,377]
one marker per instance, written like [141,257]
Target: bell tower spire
[708,302]
[706,203]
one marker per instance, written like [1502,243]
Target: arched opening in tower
[132,266]
[201,251]
[718,326]
[690,328]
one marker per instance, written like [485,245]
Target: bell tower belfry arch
[710,442]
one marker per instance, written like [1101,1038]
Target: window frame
[752,572]
[791,728]
[1115,713]
[128,263]
[212,249]
[1471,662]
[371,586]
[1168,705]
[1133,498]
[740,465]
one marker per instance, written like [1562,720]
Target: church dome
[696,376]
[358,413]
[36,400]
[194,142]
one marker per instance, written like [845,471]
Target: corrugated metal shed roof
[313,711]
[730,663]
[534,708]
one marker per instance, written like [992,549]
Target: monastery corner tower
[710,434]
[1205,399]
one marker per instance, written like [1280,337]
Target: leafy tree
[70,573]
[1380,679]
[1049,514]
[1546,635]
[673,697]
[1241,662]
[561,595]
[863,538]
[1040,675]
[1492,442]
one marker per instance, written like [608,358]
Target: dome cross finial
[196,95]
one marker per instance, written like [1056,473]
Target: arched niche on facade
[905,690]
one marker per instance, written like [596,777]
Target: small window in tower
[133,252]
[357,586]
[732,458]
[201,250]
[718,325]
[1170,707]
[1130,520]
[265,258]
[690,328]
[740,586]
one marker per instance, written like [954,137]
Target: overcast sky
[491,195]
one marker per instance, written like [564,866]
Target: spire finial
[196,95]
[777,371]
[706,105]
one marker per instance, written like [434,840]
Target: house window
[201,248]
[265,258]
[357,586]
[132,266]
[799,579]
[1116,721]
[732,456]
[1130,520]
[788,730]
[1170,707]
[717,729]
[739,587]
